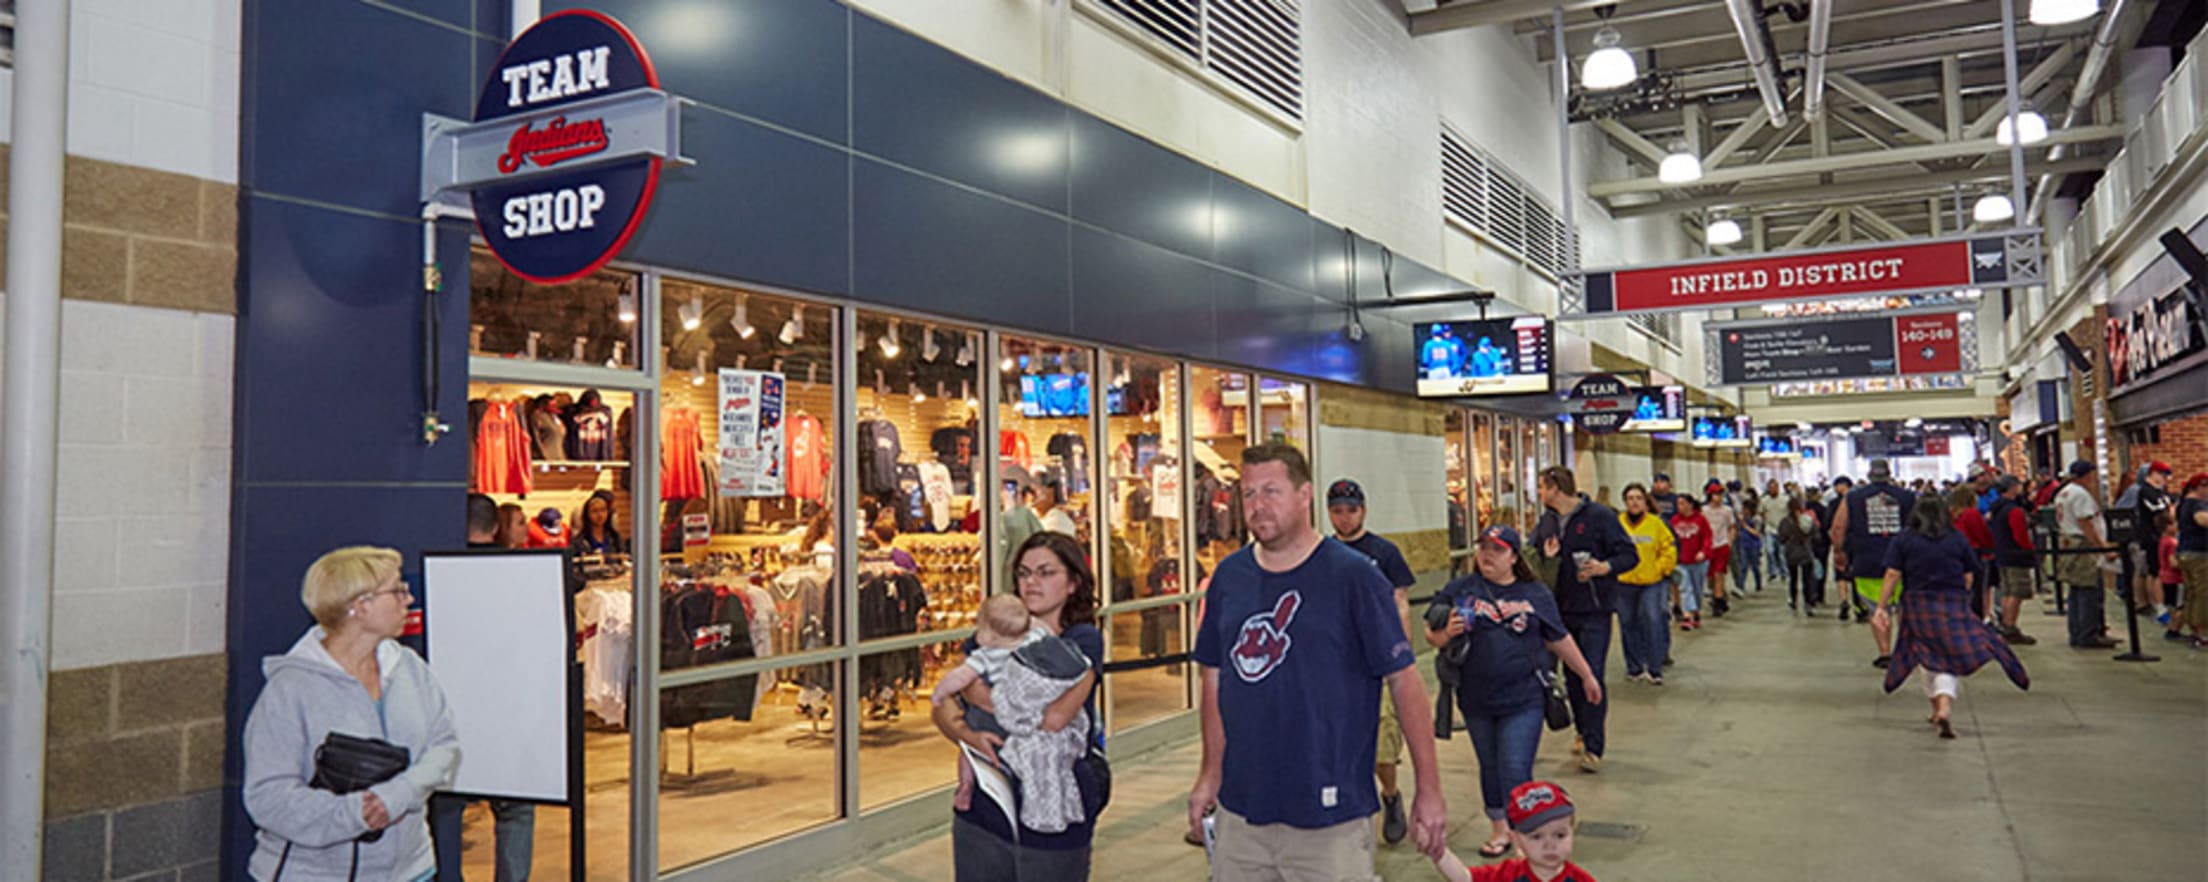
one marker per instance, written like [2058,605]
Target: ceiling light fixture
[889,341]
[742,321]
[1913,422]
[966,350]
[1680,166]
[2028,121]
[2055,12]
[918,397]
[1608,67]
[1722,231]
[693,313]
[625,306]
[929,349]
[794,329]
[697,376]
[1992,208]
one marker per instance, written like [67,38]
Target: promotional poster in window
[1484,357]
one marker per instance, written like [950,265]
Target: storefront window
[1219,418]
[900,752]
[1482,464]
[591,320]
[1533,455]
[1283,413]
[1455,475]
[1507,467]
[1043,441]
[747,559]
[1143,457]
[916,467]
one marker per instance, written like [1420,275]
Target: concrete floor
[1772,754]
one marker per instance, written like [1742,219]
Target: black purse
[346,764]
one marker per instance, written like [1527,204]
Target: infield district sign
[1891,268]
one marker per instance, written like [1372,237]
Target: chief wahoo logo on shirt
[1264,642]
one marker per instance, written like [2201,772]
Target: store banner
[1874,270]
[751,433]
[2154,335]
[565,148]
[1870,346]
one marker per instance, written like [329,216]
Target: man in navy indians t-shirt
[1299,633]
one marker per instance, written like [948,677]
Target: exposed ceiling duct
[2105,38]
[1820,35]
[1763,62]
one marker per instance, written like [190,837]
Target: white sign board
[502,645]
[751,456]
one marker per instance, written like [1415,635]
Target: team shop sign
[1887,269]
[565,151]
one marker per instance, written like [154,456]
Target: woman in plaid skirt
[1935,566]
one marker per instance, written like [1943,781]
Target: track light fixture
[1608,67]
[692,313]
[929,349]
[794,329]
[742,321]
[889,341]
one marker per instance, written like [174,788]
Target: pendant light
[1680,166]
[2028,121]
[1608,67]
[1992,208]
[2055,12]
[1722,231]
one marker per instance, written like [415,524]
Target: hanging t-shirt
[1073,456]
[808,458]
[501,455]
[911,500]
[1165,488]
[935,484]
[879,449]
[680,440]
[590,435]
[1295,648]
[1013,446]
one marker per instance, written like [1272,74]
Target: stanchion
[2131,613]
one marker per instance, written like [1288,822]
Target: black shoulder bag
[347,764]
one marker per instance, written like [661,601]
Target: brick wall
[2183,443]
[134,770]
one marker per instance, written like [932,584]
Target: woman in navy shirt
[1055,581]
[1498,625]
[1935,566]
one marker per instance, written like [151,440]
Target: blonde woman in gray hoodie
[347,674]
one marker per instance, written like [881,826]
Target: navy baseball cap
[1660,476]
[1504,536]
[2081,468]
[1345,492]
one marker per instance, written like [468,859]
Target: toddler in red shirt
[1541,826]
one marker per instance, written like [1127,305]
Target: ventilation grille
[1479,194]
[7,34]
[1254,46]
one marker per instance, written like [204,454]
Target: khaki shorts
[2078,570]
[2195,567]
[2016,582]
[1249,852]
[1391,732]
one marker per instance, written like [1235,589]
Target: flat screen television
[1509,356]
[1711,430]
[1054,395]
[1658,409]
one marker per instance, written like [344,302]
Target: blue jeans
[1592,633]
[1642,620]
[513,826]
[2088,614]
[1694,579]
[1505,744]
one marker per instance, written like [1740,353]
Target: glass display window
[1146,695]
[1533,455]
[915,464]
[1283,410]
[1455,462]
[734,773]
[901,754]
[1219,414]
[589,321]
[1046,466]
[1482,484]
[1508,504]
[1145,461]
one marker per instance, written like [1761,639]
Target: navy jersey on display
[1877,512]
[1301,656]
[1388,557]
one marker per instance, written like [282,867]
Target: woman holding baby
[1058,588]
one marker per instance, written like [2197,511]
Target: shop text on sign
[1891,268]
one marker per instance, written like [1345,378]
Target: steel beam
[1802,236]
[1476,14]
[1630,140]
[1885,107]
[1843,162]
[1824,194]
[2040,76]
[1872,223]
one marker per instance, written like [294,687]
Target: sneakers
[1590,763]
[1579,747]
[2018,638]
[2176,637]
[1655,679]
[1392,825]
[1882,661]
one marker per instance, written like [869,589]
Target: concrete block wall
[135,737]
[1392,446]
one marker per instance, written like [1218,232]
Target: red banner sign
[1928,344]
[1819,275]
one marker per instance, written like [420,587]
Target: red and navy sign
[1602,404]
[546,225]
[1903,268]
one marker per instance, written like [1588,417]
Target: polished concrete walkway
[1770,753]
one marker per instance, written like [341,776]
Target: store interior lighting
[965,351]
[2055,12]
[697,375]
[1722,231]
[742,321]
[2028,121]
[1913,422]
[1992,208]
[918,397]
[889,341]
[1007,365]
[692,313]
[929,349]
[625,306]
[794,329]
[1680,166]
[1608,67]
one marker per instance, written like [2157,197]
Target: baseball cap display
[1345,492]
[1535,803]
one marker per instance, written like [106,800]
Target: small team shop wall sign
[564,153]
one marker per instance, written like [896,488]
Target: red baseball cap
[2160,466]
[2196,480]
[1535,803]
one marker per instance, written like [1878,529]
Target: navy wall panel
[760,205]
[1260,235]
[927,245]
[1124,183]
[783,61]
[481,16]
[917,105]
[1138,294]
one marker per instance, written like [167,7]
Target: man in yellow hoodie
[1644,590]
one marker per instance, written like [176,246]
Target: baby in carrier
[1006,684]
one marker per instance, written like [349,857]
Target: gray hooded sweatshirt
[308,696]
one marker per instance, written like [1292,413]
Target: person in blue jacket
[1442,356]
[1487,361]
